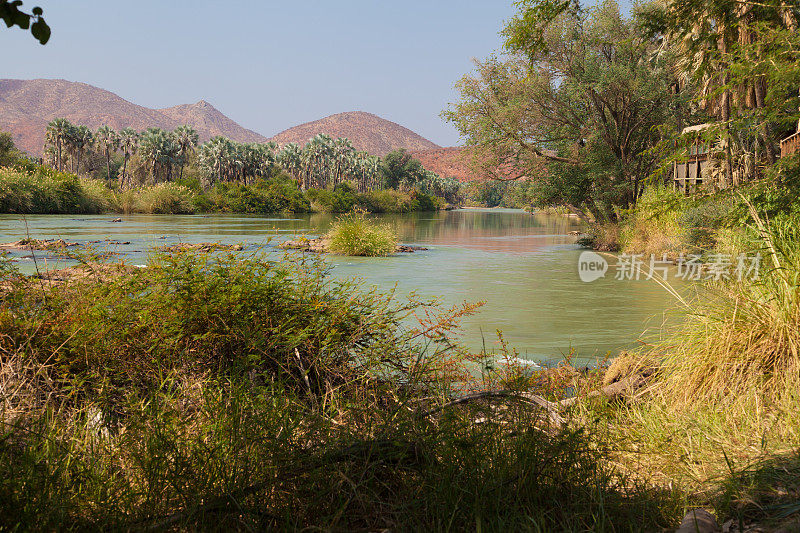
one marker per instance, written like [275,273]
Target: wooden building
[688,175]
[791,144]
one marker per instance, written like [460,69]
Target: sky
[269,65]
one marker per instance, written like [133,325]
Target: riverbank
[665,222]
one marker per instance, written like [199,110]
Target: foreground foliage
[229,392]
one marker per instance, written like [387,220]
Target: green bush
[391,201]
[342,199]
[355,235]
[653,226]
[276,194]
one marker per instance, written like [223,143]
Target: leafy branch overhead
[11,14]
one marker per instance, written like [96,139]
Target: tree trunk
[124,167]
[726,116]
[108,164]
[766,129]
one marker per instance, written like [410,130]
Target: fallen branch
[551,408]
[612,391]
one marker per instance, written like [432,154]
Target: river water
[525,267]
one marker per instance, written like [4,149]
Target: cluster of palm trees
[323,162]
[225,160]
[163,151]
[69,140]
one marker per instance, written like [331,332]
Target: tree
[160,151]
[574,104]
[82,139]
[730,52]
[128,143]
[8,152]
[186,139]
[290,158]
[57,132]
[13,16]
[401,170]
[107,140]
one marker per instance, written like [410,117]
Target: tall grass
[162,198]
[725,401]
[356,235]
[745,340]
[43,190]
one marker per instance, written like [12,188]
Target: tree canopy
[578,90]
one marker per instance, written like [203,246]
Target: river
[524,266]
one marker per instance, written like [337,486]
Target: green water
[523,266]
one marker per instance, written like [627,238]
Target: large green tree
[573,103]
[8,152]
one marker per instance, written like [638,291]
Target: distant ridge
[368,133]
[451,162]
[26,106]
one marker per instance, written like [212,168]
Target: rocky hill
[26,106]
[368,133]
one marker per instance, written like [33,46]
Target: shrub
[341,199]
[355,235]
[653,226]
[277,194]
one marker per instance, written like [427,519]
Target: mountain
[204,117]
[26,106]
[368,133]
[456,162]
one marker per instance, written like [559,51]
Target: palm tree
[107,140]
[82,139]
[290,158]
[186,139]
[159,150]
[57,131]
[150,146]
[217,157]
[342,158]
[128,143]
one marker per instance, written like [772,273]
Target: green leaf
[41,31]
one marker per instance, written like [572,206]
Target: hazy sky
[268,65]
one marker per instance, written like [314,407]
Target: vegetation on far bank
[37,189]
